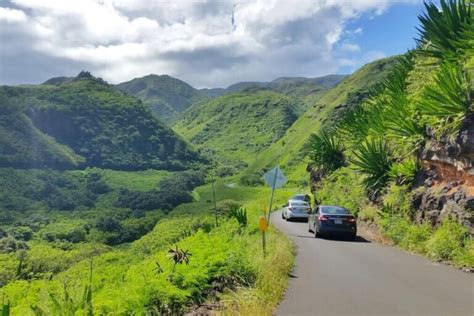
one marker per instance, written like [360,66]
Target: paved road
[340,277]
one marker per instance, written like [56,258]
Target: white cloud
[11,15]
[204,42]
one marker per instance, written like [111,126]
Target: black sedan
[328,219]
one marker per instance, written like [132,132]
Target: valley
[144,197]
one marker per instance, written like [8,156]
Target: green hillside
[306,91]
[166,96]
[287,151]
[86,122]
[23,145]
[235,127]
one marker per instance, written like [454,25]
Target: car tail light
[323,218]
[351,219]
[290,209]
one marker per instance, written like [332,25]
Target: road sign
[275,178]
[262,223]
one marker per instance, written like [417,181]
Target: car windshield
[299,204]
[299,197]
[334,210]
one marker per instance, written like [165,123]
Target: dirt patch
[370,232]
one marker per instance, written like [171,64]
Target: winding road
[340,277]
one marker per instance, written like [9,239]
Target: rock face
[449,179]
[453,160]
[443,201]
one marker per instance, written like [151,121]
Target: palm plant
[373,158]
[326,151]
[399,119]
[239,214]
[447,33]
[449,99]
[179,256]
[405,172]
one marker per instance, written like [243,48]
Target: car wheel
[316,233]
[282,215]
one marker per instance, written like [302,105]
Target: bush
[21,233]
[343,188]
[10,244]
[252,180]
[447,241]
[108,224]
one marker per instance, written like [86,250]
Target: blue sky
[391,33]
[207,43]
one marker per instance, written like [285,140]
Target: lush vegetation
[153,235]
[82,123]
[290,150]
[166,96]
[208,261]
[426,98]
[234,127]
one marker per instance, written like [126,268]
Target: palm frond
[442,32]
[448,99]
[373,158]
[326,151]
[405,172]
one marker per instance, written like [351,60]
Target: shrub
[447,241]
[405,172]
[21,233]
[10,244]
[465,257]
[343,188]
[398,200]
[252,180]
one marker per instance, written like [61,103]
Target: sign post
[263,226]
[275,179]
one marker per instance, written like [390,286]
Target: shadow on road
[338,238]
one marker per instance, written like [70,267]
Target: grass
[134,180]
[234,127]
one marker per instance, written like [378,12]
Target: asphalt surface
[342,277]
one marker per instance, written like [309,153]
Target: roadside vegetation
[427,97]
[50,259]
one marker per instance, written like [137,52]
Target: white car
[296,209]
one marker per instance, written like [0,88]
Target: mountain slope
[237,126]
[287,151]
[23,145]
[86,122]
[166,96]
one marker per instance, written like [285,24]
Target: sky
[207,43]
